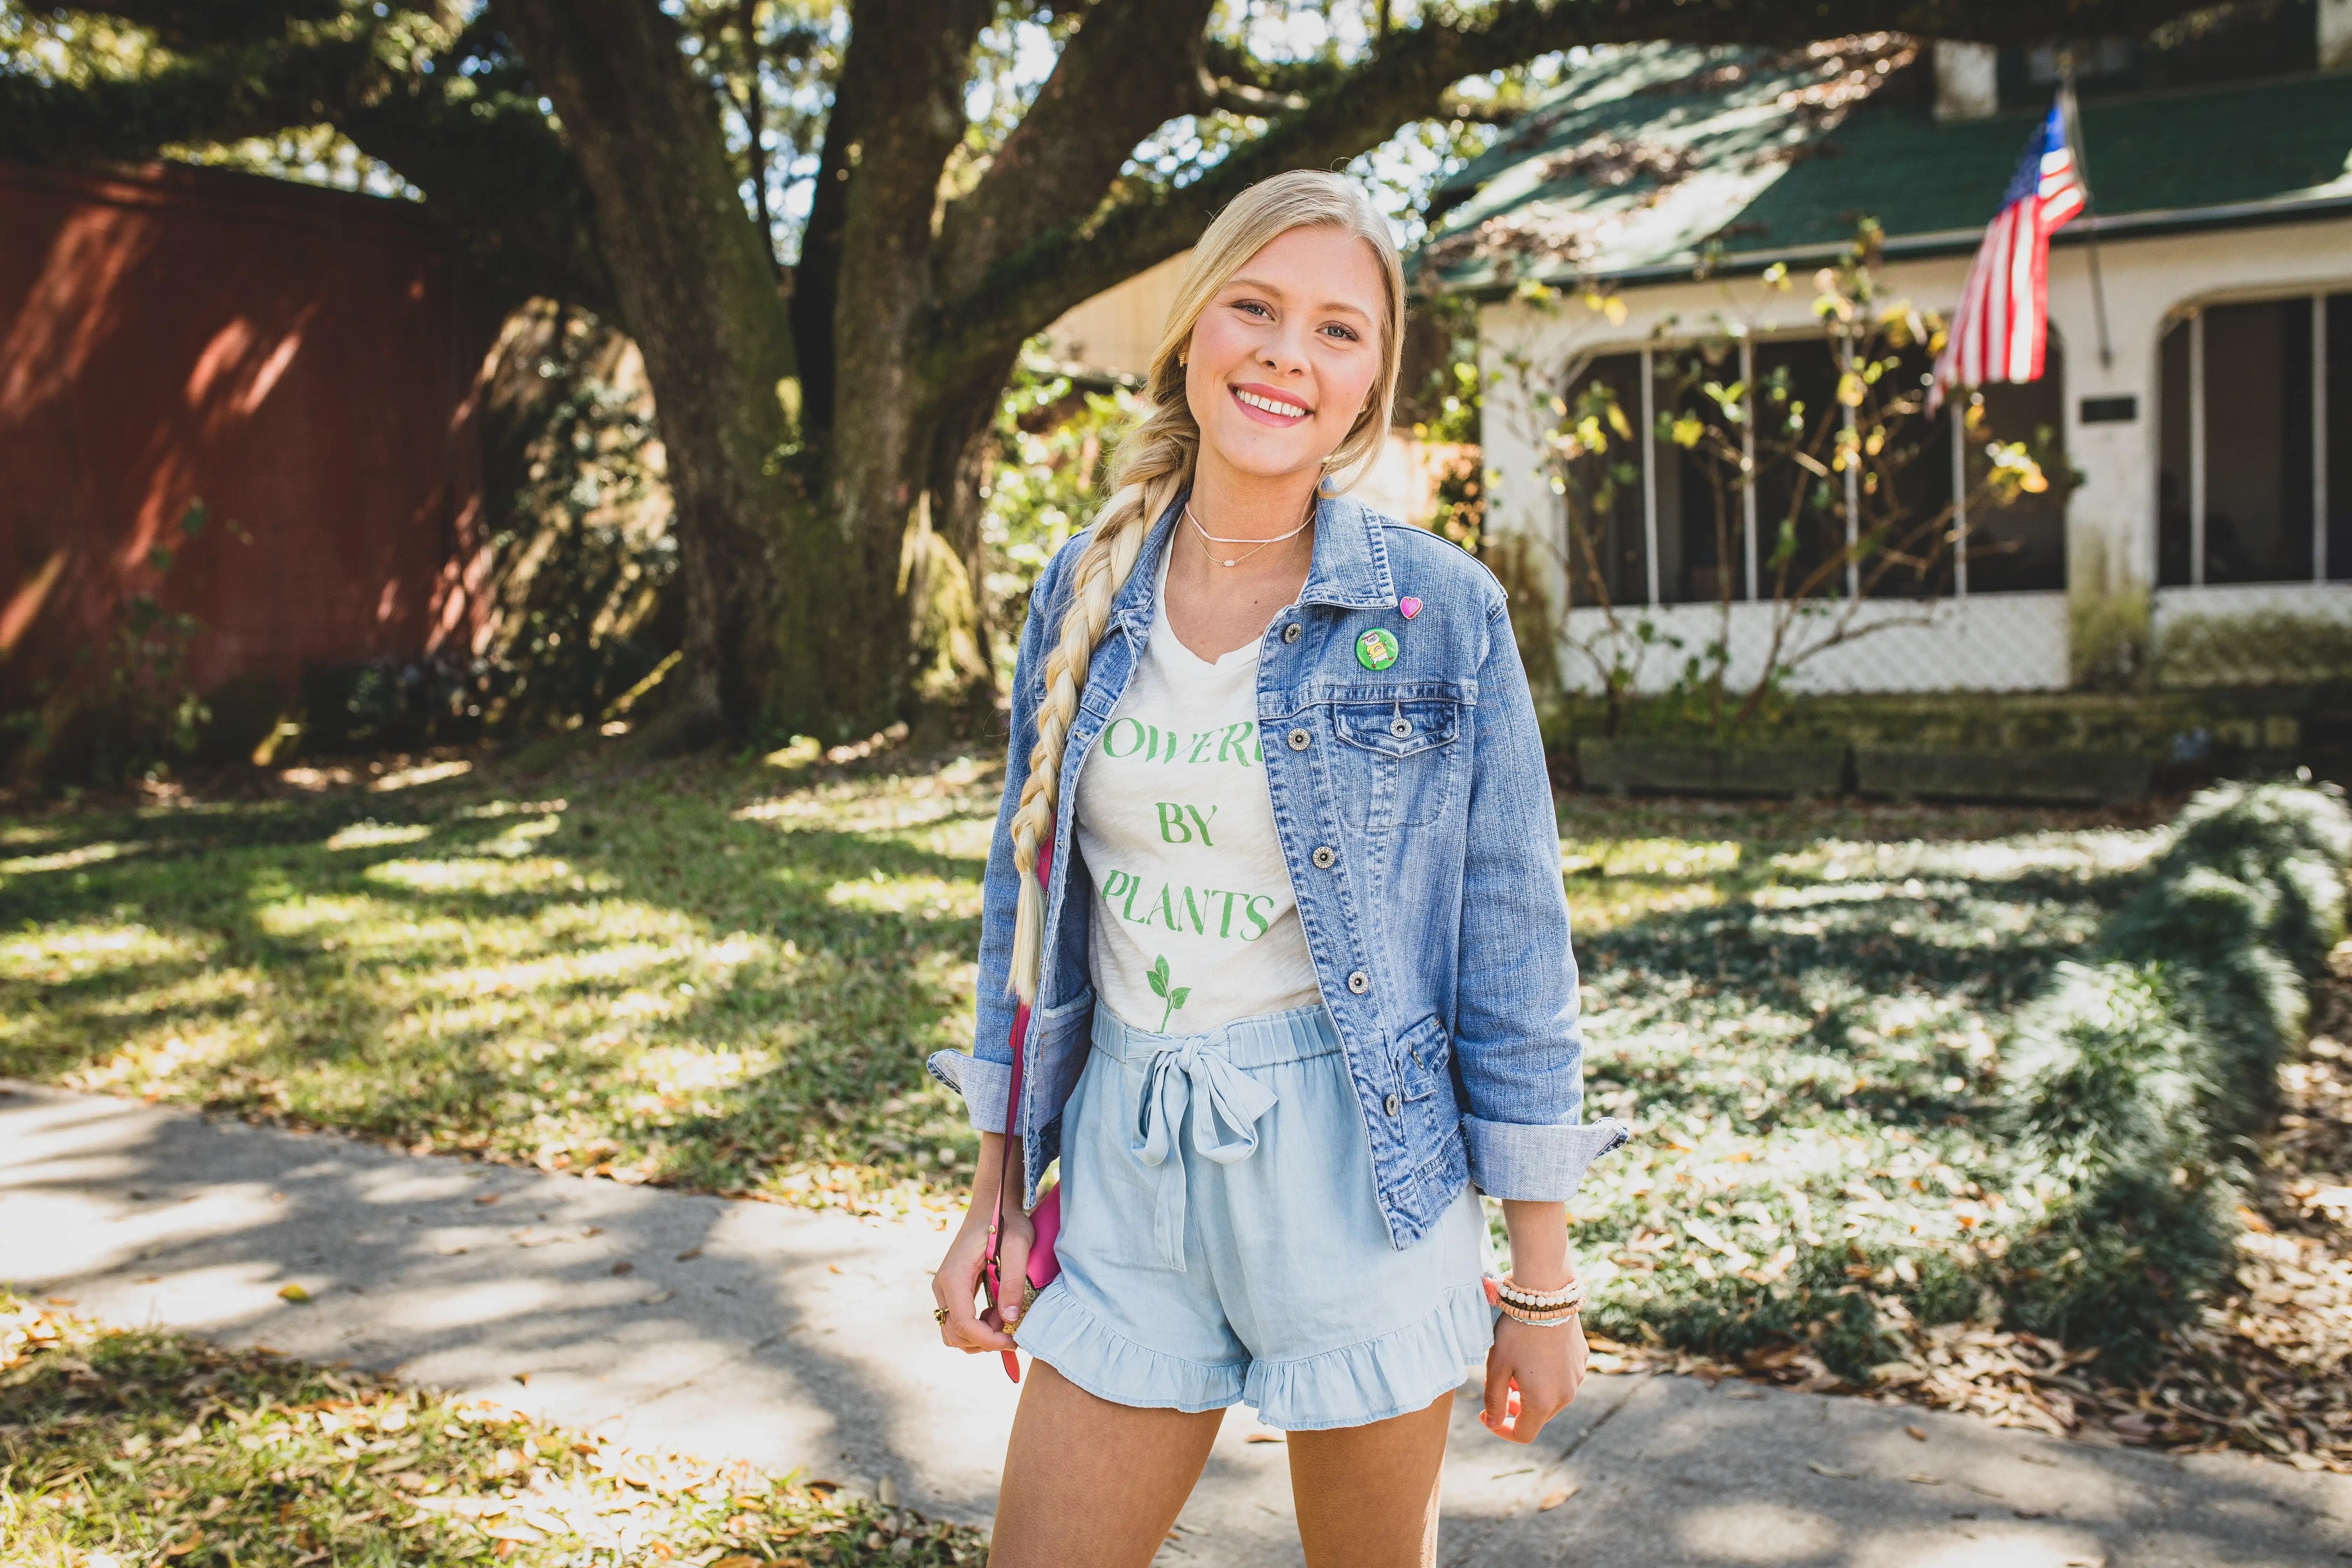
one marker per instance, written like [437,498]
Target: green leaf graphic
[1173,997]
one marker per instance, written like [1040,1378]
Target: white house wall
[2111,516]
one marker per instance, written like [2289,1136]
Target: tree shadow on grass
[672,1320]
[652,978]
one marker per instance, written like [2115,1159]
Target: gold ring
[939,1314]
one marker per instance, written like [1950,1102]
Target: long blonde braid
[1154,465]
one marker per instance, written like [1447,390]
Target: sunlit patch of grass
[58,954]
[933,897]
[64,859]
[650,977]
[139,1448]
[375,835]
[1809,1053]
[495,876]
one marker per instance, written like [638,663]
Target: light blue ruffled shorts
[1221,1241]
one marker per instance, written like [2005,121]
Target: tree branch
[1131,67]
[1480,110]
[488,160]
[194,24]
[898,111]
[1061,265]
[1251,102]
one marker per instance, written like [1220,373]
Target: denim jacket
[1415,818]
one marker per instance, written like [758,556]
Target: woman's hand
[1532,1375]
[961,1278]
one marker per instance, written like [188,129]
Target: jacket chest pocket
[1397,763]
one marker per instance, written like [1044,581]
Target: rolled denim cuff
[1533,1161]
[983,1084]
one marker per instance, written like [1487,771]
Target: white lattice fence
[1992,642]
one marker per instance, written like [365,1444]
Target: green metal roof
[1643,163]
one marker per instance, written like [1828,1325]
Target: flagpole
[2074,123]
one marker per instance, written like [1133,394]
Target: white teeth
[1287,410]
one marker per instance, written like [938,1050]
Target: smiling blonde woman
[1275,910]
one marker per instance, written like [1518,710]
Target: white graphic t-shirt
[1196,924]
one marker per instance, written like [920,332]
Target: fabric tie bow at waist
[1227,1103]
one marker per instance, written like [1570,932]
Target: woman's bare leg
[1367,1495]
[1090,1484]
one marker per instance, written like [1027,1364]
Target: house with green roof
[1658,249]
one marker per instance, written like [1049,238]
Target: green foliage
[2252,647]
[2133,1082]
[2108,1090]
[125,707]
[584,558]
[1054,437]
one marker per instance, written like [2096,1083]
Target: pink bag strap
[993,1272]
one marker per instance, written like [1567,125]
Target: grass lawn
[120,1448]
[725,973]
[706,974]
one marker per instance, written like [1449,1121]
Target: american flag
[1996,333]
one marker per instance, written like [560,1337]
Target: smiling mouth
[1281,408]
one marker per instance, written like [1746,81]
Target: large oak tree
[814,414]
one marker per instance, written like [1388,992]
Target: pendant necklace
[1207,538]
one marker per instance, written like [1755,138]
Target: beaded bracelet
[1536,1321]
[1539,1309]
[1570,1295]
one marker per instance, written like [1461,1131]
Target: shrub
[2132,1081]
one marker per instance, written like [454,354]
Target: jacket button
[1298,738]
[1400,728]
[1391,1105]
[1290,632]
[1360,982]
[1323,856]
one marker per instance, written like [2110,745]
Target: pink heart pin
[1408,607]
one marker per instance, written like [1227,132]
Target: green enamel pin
[1377,649]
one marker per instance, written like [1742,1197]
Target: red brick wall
[303,360]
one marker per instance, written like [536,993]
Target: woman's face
[1286,352]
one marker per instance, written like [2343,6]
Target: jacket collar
[1350,567]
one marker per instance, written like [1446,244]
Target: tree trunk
[698,293]
[791,536]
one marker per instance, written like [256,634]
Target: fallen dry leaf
[292,1293]
[486,1199]
[1264,1437]
[1916,1434]
[1831,1471]
[1553,1500]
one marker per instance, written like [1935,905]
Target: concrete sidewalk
[746,1329]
